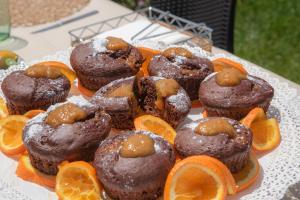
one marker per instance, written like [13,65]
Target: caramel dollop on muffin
[223,138]
[231,94]
[102,61]
[37,87]
[182,65]
[134,165]
[67,131]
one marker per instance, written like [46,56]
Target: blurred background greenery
[267,32]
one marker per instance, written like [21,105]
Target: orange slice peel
[76,181]
[195,177]
[85,91]
[248,175]
[221,63]
[28,173]
[255,114]
[155,125]
[11,130]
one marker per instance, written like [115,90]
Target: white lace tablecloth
[280,168]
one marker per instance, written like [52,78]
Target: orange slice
[7,58]
[85,91]
[230,181]
[3,109]
[28,173]
[70,74]
[77,181]
[255,114]
[11,129]
[155,125]
[196,104]
[266,134]
[221,63]
[147,54]
[195,177]
[32,113]
[248,175]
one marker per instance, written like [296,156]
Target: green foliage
[267,32]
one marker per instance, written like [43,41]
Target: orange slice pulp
[266,132]
[155,125]
[195,177]
[70,74]
[221,63]
[147,54]
[28,173]
[11,130]
[248,175]
[3,109]
[85,91]
[32,113]
[77,181]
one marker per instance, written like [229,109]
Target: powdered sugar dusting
[157,148]
[99,44]
[152,44]
[180,59]
[191,125]
[180,101]
[32,131]
[79,101]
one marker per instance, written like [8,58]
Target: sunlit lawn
[267,32]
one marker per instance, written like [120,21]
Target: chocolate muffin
[102,61]
[38,87]
[231,94]
[163,98]
[119,100]
[219,137]
[180,64]
[67,131]
[134,165]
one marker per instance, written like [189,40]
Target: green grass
[267,32]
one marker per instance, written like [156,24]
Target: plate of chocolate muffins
[92,119]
